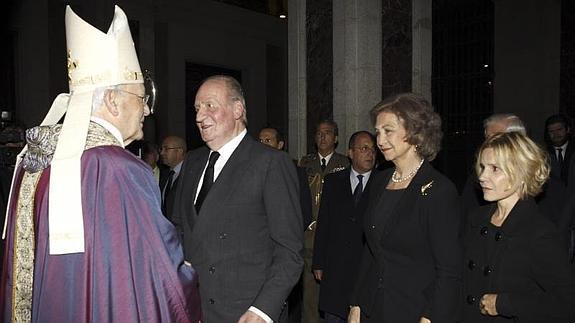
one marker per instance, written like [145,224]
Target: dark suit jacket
[561,172]
[566,223]
[164,172]
[169,196]
[411,266]
[339,241]
[527,267]
[246,243]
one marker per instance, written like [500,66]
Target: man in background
[173,151]
[325,161]
[339,233]
[559,147]
[151,157]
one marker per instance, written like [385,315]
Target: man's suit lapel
[346,186]
[193,174]
[230,175]
[570,149]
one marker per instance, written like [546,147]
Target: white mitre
[95,59]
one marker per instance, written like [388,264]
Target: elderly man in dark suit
[239,205]
[339,234]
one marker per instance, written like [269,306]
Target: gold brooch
[425,187]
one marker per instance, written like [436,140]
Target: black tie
[358,190]
[560,156]
[167,190]
[323,164]
[208,180]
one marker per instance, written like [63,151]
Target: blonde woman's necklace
[396,179]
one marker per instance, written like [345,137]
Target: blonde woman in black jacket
[516,268]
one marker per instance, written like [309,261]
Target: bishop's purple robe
[132,269]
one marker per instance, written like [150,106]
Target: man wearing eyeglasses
[85,237]
[339,235]
[172,152]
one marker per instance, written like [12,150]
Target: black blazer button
[223,236]
[483,231]
[211,300]
[373,227]
[498,236]
[212,270]
[471,265]
[471,299]
[487,270]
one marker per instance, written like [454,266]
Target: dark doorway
[462,80]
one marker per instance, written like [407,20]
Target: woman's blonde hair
[521,159]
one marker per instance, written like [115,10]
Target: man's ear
[335,140]
[110,102]
[238,109]
[281,145]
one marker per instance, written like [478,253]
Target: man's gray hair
[235,90]
[98,96]
[512,122]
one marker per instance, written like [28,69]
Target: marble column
[357,72]
[297,78]
[421,53]
[396,47]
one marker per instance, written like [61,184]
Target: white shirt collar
[564,147]
[110,127]
[177,169]
[353,178]
[327,158]
[228,149]
[225,152]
